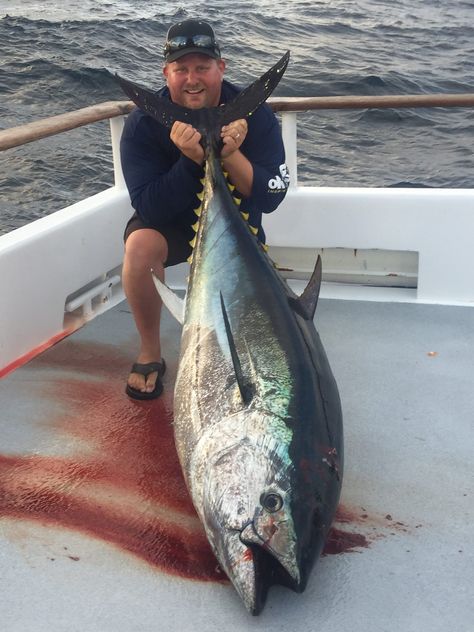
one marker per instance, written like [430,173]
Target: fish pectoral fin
[305,305]
[173,302]
[245,387]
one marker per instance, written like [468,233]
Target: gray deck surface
[76,495]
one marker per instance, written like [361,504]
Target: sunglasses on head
[182,41]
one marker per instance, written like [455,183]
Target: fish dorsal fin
[305,305]
[246,389]
[208,121]
[175,304]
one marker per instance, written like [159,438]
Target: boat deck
[97,532]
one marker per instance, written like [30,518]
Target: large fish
[257,415]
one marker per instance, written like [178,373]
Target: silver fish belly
[257,416]
[241,442]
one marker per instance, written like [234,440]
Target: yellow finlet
[264,246]
[198,210]
[253,229]
[245,215]
[192,243]
[231,187]
[237,200]
[190,258]
[195,226]
[200,195]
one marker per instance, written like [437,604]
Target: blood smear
[123,484]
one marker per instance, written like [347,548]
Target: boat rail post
[289,133]
[116,128]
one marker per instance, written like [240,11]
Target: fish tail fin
[161,109]
[208,121]
[247,101]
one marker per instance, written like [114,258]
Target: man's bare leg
[145,249]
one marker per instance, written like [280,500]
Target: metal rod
[16,136]
[43,128]
[301,104]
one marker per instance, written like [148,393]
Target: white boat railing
[63,269]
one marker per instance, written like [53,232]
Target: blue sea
[57,57]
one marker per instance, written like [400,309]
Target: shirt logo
[280,182]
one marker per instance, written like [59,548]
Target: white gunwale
[53,261]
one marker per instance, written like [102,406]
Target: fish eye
[271,502]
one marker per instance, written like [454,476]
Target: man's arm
[264,151]
[263,156]
[160,189]
[239,168]
[161,181]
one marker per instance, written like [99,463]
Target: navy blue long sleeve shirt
[163,183]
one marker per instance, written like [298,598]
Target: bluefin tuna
[257,414]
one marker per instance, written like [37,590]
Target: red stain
[340,541]
[34,352]
[370,527]
[346,515]
[123,484]
[248,555]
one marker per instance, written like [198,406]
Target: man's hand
[233,135]
[186,139]
[239,168]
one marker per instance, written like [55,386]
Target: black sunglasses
[182,41]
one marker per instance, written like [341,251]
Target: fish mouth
[255,568]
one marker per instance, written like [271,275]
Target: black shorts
[177,236]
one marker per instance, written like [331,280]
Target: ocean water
[55,59]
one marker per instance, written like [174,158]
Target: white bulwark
[376,244]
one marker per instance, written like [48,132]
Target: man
[163,168]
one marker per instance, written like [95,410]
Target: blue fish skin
[257,414]
[286,441]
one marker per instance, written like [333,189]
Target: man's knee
[146,248]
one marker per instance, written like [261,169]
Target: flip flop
[145,370]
